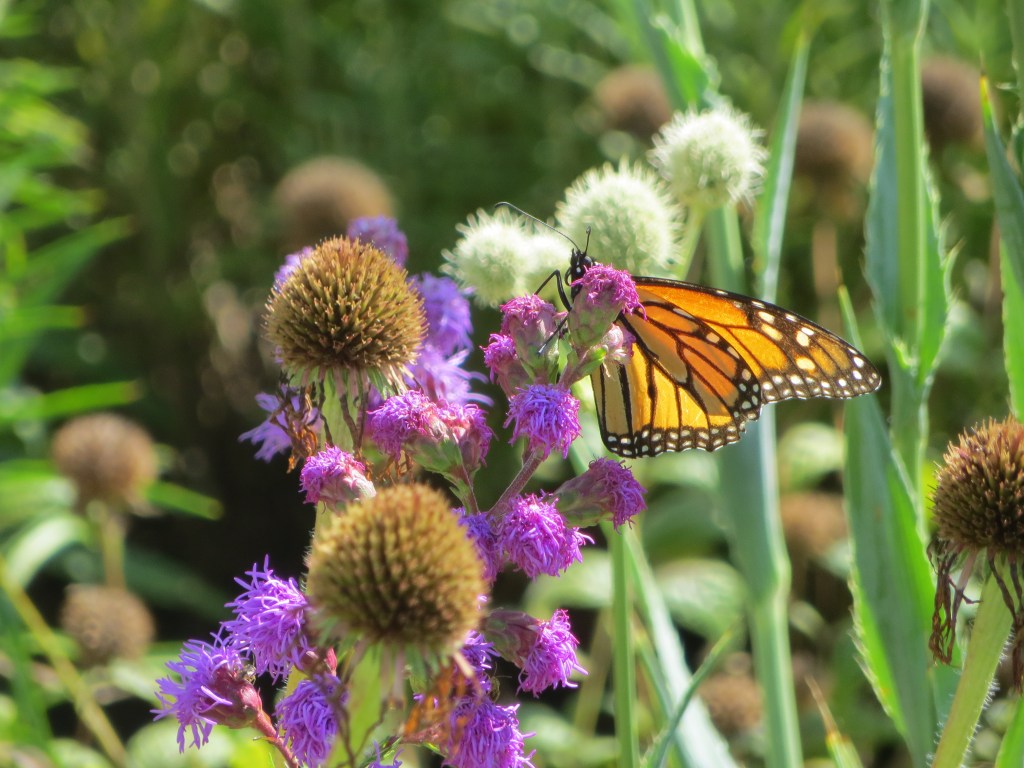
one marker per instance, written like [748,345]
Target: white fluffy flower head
[634,222]
[710,158]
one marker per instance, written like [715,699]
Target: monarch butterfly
[703,363]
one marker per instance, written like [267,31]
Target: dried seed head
[952,109]
[979,494]
[320,197]
[108,457]
[734,701]
[398,569]
[107,623]
[812,522]
[834,152]
[346,307]
[633,99]
[979,507]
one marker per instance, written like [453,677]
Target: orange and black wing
[704,361]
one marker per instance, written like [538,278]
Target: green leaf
[770,220]
[891,580]
[705,596]
[40,540]
[180,499]
[1011,751]
[16,408]
[1009,199]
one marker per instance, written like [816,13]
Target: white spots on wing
[805,364]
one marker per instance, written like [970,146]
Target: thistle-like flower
[345,309]
[710,158]
[399,570]
[979,508]
[492,257]
[633,220]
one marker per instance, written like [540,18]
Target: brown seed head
[834,153]
[979,493]
[346,307]
[319,198]
[633,99]
[107,623]
[108,458]
[952,107]
[734,702]
[398,569]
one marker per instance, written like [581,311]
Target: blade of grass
[755,531]
[1009,200]
[770,219]
[1011,751]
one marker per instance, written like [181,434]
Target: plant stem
[624,662]
[93,716]
[991,628]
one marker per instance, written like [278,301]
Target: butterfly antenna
[534,219]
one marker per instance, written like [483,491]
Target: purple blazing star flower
[535,537]
[273,436]
[447,309]
[308,718]
[291,262]
[552,657]
[402,419]
[481,531]
[478,652]
[487,736]
[270,621]
[503,362]
[547,416]
[544,651]
[445,378]
[602,294]
[383,232]
[335,477]
[607,488]
[215,689]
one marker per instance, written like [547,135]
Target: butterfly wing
[705,360]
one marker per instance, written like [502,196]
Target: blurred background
[165,157]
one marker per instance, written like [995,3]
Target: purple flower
[383,232]
[547,416]
[602,294]
[535,537]
[270,621]
[214,689]
[291,262]
[402,419]
[551,658]
[503,362]
[289,414]
[444,378]
[335,477]
[308,718]
[606,489]
[466,426]
[607,287]
[478,652]
[447,309]
[480,529]
[530,316]
[485,735]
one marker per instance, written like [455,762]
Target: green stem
[1016,12]
[756,539]
[992,626]
[624,662]
[110,527]
[92,715]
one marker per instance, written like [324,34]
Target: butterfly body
[703,363]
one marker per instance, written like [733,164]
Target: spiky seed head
[106,456]
[399,570]
[107,623]
[320,197]
[710,158]
[346,308]
[633,221]
[979,493]
[734,701]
